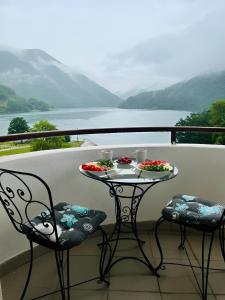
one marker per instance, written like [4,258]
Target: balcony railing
[173,132]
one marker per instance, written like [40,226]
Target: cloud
[121,44]
[16,77]
[13,50]
[197,49]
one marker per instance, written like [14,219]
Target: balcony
[201,172]
[128,280]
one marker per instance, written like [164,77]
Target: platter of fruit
[124,162]
[155,168]
[98,167]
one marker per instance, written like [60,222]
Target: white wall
[201,172]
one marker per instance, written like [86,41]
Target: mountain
[160,60]
[11,103]
[129,93]
[195,94]
[34,73]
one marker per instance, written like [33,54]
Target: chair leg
[29,272]
[205,270]
[160,220]
[182,236]
[59,264]
[68,274]
[221,238]
[104,246]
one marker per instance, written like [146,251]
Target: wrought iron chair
[202,215]
[59,227]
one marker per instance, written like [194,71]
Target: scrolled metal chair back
[17,195]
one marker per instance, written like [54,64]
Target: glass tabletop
[129,174]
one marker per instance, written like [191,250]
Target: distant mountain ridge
[130,93]
[10,102]
[34,73]
[195,94]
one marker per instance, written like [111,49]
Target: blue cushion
[74,224]
[194,211]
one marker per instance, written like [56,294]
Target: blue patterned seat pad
[74,224]
[194,211]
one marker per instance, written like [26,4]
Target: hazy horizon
[122,45]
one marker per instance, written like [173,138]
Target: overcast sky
[121,44]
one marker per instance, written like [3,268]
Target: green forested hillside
[195,94]
[33,73]
[12,103]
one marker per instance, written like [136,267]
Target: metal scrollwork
[17,199]
[126,213]
[115,189]
[19,187]
[111,192]
[11,208]
[127,198]
[47,227]
[118,189]
[21,194]
[134,206]
[10,192]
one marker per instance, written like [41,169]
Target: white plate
[98,173]
[153,174]
[101,173]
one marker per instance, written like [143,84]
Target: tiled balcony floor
[129,279]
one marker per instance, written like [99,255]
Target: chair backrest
[20,195]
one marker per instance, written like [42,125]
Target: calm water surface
[105,117]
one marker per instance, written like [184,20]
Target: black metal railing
[173,132]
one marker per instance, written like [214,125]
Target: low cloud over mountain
[34,73]
[165,59]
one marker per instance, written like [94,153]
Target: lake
[75,118]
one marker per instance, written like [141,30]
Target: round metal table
[127,185]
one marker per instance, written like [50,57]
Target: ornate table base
[126,218]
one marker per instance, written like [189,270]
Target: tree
[217,113]
[18,125]
[217,119]
[46,143]
[43,125]
[35,104]
[17,105]
[195,119]
[67,139]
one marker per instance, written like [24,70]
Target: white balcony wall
[201,172]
